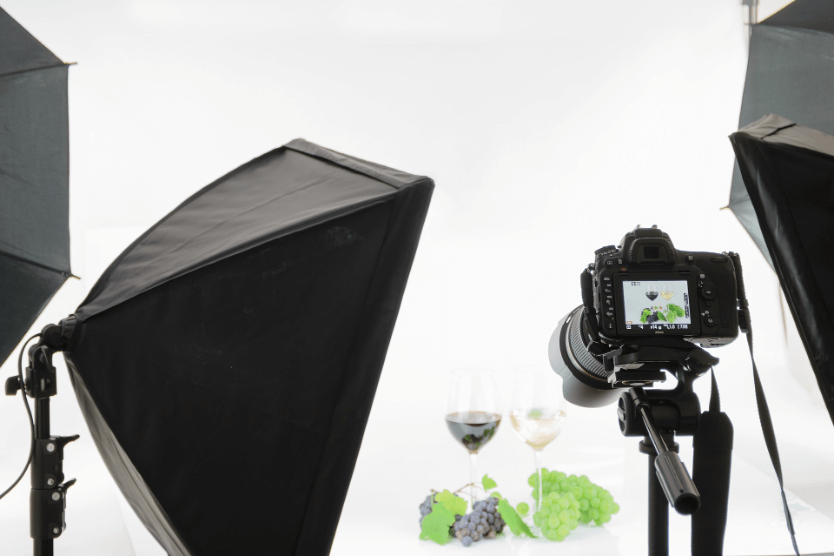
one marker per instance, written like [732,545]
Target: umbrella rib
[40,265]
[34,69]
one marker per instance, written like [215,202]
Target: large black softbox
[226,362]
[788,172]
[790,72]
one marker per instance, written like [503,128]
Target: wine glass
[473,412]
[651,291]
[538,410]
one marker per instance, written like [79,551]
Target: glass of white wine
[538,410]
[473,412]
[666,291]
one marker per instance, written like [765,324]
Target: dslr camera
[638,296]
[645,287]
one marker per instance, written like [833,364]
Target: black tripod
[657,415]
[48,497]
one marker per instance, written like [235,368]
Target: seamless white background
[550,128]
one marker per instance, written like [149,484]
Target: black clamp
[48,469]
[47,511]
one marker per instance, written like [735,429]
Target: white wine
[537,427]
[667,295]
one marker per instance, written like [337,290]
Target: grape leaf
[495,494]
[453,503]
[513,520]
[436,525]
[488,482]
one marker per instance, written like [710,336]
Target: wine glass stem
[538,454]
[473,460]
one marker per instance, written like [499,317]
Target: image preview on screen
[667,303]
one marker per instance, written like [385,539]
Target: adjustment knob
[12,385]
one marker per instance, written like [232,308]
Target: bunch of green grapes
[595,503]
[558,516]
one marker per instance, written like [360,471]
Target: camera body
[645,288]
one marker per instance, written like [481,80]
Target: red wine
[651,295]
[474,429]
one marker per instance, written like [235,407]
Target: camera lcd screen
[656,305]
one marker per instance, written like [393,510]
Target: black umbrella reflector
[34,180]
[226,362]
[790,71]
[788,172]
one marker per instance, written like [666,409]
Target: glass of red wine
[473,412]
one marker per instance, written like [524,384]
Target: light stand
[48,496]
[658,415]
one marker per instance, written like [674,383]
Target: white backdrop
[550,128]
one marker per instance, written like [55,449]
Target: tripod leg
[658,507]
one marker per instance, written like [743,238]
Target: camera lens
[584,378]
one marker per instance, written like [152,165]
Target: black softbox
[226,362]
[790,71]
[788,172]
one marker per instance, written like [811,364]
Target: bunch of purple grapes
[483,522]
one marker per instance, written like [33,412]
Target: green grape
[522,508]
[595,502]
[553,535]
[533,480]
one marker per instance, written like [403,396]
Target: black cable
[29,411]
[770,436]
[761,401]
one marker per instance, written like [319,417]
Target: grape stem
[467,485]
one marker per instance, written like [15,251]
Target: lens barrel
[584,378]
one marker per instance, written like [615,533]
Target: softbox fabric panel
[790,71]
[34,180]
[227,360]
[788,172]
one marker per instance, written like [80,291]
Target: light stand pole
[48,497]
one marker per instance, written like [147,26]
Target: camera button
[709,320]
[609,326]
[690,258]
[708,292]
[609,262]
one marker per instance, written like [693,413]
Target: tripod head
[641,363]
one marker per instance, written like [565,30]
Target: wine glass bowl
[537,427]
